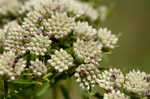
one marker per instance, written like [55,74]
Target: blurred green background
[131,18]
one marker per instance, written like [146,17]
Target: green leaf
[26,82]
[47,76]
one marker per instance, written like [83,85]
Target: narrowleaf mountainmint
[45,41]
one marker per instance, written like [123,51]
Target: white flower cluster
[46,26]
[111,79]
[18,40]
[135,82]
[115,95]
[59,25]
[61,60]
[9,67]
[31,23]
[38,67]
[108,39]
[87,75]
[84,31]
[47,21]
[14,40]
[73,6]
[88,51]
[38,44]
[7,6]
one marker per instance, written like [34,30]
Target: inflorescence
[51,37]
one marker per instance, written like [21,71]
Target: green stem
[5,89]
[55,91]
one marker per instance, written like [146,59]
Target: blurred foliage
[131,18]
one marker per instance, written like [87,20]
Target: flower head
[108,39]
[111,79]
[9,67]
[84,31]
[86,75]
[15,39]
[32,23]
[38,44]
[61,60]
[38,68]
[59,25]
[88,51]
[70,6]
[135,82]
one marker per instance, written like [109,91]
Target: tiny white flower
[108,39]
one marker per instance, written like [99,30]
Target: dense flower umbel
[38,67]
[69,6]
[75,7]
[84,31]
[115,95]
[111,79]
[32,23]
[88,51]
[9,67]
[108,39]
[52,38]
[15,40]
[38,44]
[135,82]
[59,25]
[61,60]
[87,75]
